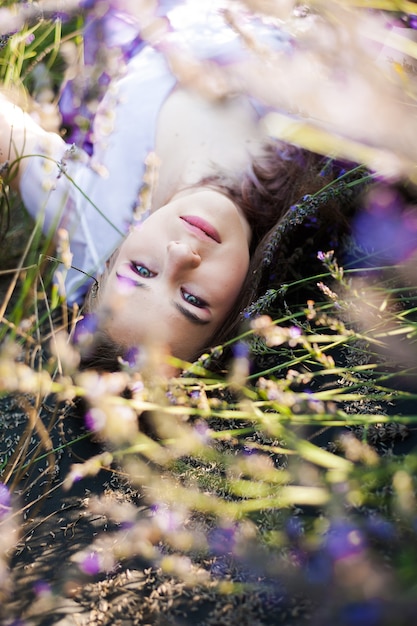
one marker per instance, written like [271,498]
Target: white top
[93,198]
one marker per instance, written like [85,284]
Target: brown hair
[290,219]
[271,194]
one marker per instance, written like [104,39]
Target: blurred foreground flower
[111,36]
[8,539]
[276,335]
[5,501]
[387,227]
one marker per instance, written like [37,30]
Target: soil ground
[47,586]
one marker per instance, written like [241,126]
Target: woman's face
[177,275]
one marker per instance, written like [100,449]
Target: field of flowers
[280,490]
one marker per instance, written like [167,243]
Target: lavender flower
[294,529]
[166,518]
[5,501]
[131,357]
[95,419]
[387,227]
[368,613]
[85,329]
[412,21]
[42,588]
[91,564]
[344,541]
[222,540]
[241,350]
[111,38]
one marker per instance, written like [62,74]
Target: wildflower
[412,21]
[177,565]
[4,40]
[222,540]
[325,257]
[42,588]
[294,528]
[202,432]
[387,227]
[318,569]
[276,335]
[98,386]
[294,333]
[95,419]
[368,613]
[344,541]
[5,501]
[91,564]
[263,303]
[111,38]
[241,350]
[167,520]
[63,248]
[240,366]
[131,357]
[310,312]
[137,388]
[91,467]
[379,528]
[327,291]
[85,329]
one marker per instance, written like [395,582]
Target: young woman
[181,276]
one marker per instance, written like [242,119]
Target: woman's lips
[202,225]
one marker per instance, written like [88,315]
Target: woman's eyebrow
[192,317]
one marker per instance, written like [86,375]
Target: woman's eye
[142,270]
[193,300]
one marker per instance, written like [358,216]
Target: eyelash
[137,267]
[198,302]
[188,297]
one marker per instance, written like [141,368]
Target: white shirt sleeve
[93,198]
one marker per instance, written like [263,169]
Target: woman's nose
[182,257]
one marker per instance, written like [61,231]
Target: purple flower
[42,588]
[361,614]
[294,332]
[380,529]
[412,21]
[5,500]
[95,419]
[76,115]
[131,357]
[294,528]
[108,27]
[241,350]
[166,519]
[91,564]
[222,540]
[318,569]
[202,431]
[85,328]
[387,227]
[343,541]
[127,525]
